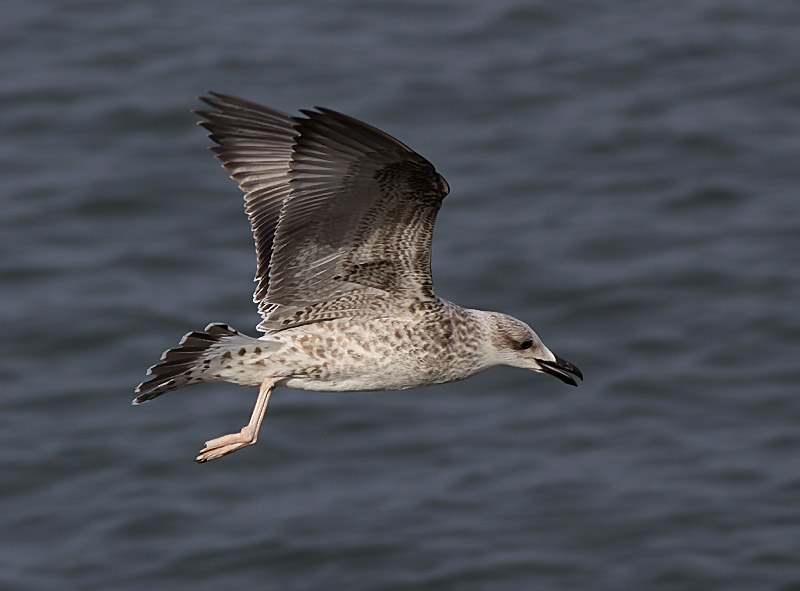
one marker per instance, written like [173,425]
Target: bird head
[514,343]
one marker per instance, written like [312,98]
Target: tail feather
[186,363]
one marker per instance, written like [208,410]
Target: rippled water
[624,176]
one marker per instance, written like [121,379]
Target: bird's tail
[192,361]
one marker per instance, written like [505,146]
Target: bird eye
[526,344]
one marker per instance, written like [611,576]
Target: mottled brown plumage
[343,217]
[354,220]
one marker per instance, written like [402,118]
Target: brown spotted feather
[342,213]
[343,217]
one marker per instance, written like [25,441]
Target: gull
[342,214]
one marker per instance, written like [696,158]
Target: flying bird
[342,214]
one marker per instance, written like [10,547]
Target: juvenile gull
[342,215]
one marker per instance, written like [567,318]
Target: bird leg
[222,446]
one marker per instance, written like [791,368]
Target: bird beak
[561,369]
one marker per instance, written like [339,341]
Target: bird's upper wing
[342,213]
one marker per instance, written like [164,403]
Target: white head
[514,343]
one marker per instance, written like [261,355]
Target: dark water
[625,177]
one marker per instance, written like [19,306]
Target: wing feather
[342,213]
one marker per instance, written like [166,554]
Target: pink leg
[222,446]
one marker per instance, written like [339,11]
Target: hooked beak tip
[561,369]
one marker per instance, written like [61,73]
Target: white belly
[338,357]
[359,383]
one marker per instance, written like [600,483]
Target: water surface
[624,177]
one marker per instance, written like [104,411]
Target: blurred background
[624,177]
